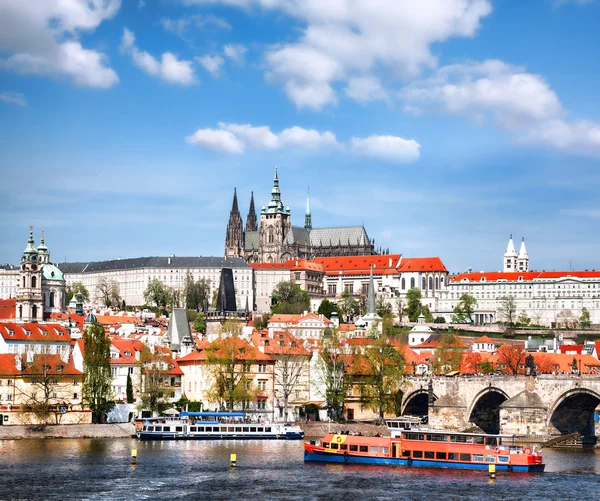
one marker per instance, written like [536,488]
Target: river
[100,469]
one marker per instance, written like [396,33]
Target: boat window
[465,457]
[334,446]
[364,448]
[406,454]
[200,428]
[440,455]
[245,429]
[179,428]
[353,447]
[158,428]
[414,436]
[223,429]
[268,429]
[373,449]
[325,445]
[417,454]
[344,447]
[193,429]
[230,429]
[478,440]
[478,457]
[490,459]
[384,450]
[238,429]
[393,424]
[461,439]
[253,429]
[150,428]
[437,438]
[428,454]
[490,441]
[453,456]
[503,459]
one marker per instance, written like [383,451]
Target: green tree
[400,308]
[487,367]
[348,306]
[413,301]
[154,392]
[77,288]
[156,293]
[331,373]
[200,324]
[465,308]
[584,319]
[381,369]
[196,292]
[130,398]
[427,314]
[261,322]
[97,378]
[383,307]
[448,355]
[288,297]
[523,319]
[326,308]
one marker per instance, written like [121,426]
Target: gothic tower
[234,239]
[510,257]
[523,258]
[307,215]
[29,292]
[274,225]
[251,222]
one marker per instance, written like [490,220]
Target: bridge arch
[573,411]
[484,410]
[417,403]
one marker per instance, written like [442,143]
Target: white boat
[214,426]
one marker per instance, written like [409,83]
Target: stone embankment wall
[319,428]
[120,430]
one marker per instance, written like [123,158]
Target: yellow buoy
[492,470]
[233,460]
[133,456]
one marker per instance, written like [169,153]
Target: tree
[156,293]
[289,298]
[196,292]
[108,292]
[413,300]
[487,367]
[348,306]
[507,310]
[383,307]
[400,308]
[584,319]
[523,319]
[77,288]
[381,370]
[261,322]
[513,357]
[427,314]
[464,309]
[471,363]
[566,319]
[326,308]
[439,320]
[448,355]
[200,324]
[332,375]
[129,390]
[97,378]
[154,366]
[175,296]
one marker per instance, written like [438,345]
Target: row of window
[459,439]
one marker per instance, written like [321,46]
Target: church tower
[274,225]
[510,257]
[307,215]
[234,239]
[29,293]
[251,221]
[523,259]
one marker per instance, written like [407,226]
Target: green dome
[51,272]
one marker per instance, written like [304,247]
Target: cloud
[580,137]
[346,39]
[387,148]
[169,68]
[181,26]
[212,64]
[236,138]
[365,89]
[43,37]
[235,52]
[13,98]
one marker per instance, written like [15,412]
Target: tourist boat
[417,447]
[214,426]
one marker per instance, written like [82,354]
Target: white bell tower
[510,257]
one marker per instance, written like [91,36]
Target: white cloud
[43,37]
[235,138]
[365,89]
[343,39]
[13,98]
[217,140]
[169,68]
[387,148]
[182,26]
[235,52]
[212,64]
[580,137]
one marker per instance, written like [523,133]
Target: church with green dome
[42,288]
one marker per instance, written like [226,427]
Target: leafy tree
[584,319]
[326,308]
[427,314]
[156,293]
[108,292]
[463,312]
[97,378]
[400,308]
[348,306]
[332,374]
[566,319]
[487,367]
[288,297]
[512,357]
[448,355]
[523,319]
[200,324]
[77,288]
[507,310]
[381,367]
[130,398]
[261,322]
[383,308]
[155,393]
[196,292]
[439,320]
[413,300]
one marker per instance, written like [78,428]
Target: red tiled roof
[126,346]
[512,276]
[8,308]
[268,266]
[55,366]
[303,264]
[288,318]
[577,348]
[8,365]
[274,346]
[421,264]
[483,339]
[382,265]
[37,332]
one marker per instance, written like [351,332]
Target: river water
[100,469]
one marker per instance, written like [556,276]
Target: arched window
[271,238]
[412,283]
[52,300]
[423,283]
[33,282]
[403,284]
[430,283]
[442,281]
[34,311]
[20,311]
[437,283]
[24,282]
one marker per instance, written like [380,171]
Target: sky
[443,126]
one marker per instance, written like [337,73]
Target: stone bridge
[533,406]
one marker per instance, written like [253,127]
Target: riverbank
[117,430]
[319,428]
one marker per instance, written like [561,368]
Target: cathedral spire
[234,207]
[234,238]
[307,215]
[371,302]
[251,222]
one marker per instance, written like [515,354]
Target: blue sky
[443,125]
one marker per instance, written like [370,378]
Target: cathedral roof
[251,240]
[297,236]
[341,235]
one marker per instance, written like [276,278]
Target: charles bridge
[526,406]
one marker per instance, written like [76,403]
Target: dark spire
[234,239]
[251,222]
[234,207]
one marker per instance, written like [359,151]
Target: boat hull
[173,436]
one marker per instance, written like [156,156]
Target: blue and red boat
[426,448]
